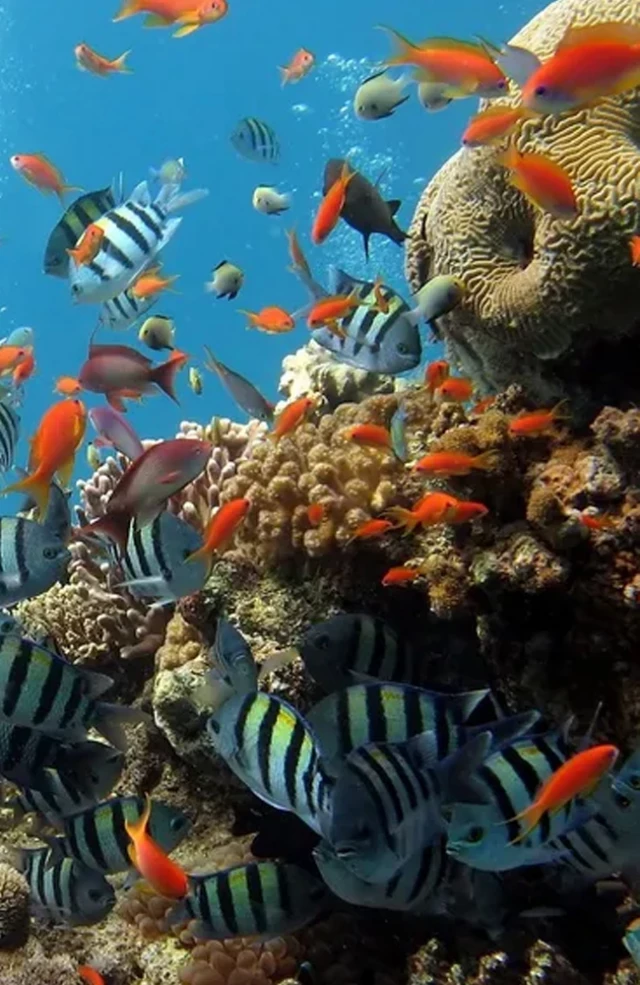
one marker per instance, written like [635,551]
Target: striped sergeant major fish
[233,659]
[416,886]
[483,832]
[385,712]
[270,747]
[80,214]
[256,140]
[96,837]
[134,233]
[42,691]
[33,557]
[65,892]
[263,899]
[9,433]
[124,310]
[388,798]
[349,646]
[379,342]
[154,562]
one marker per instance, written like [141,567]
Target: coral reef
[312,369]
[14,908]
[550,303]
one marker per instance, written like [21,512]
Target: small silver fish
[226,280]
[269,201]
[433,96]
[157,332]
[439,296]
[93,457]
[245,394]
[64,892]
[379,96]
[171,172]
[233,657]
[195,380]
[156,563]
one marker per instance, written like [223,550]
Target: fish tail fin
[37,486]
[284,74]
[532,816]
[487,460]
[403,517]
[186,29]
[69,188]
[175,201]
[404,47]
[251,317]
[137,828]
[164,375]
[109,720]
[203,553]
[113,527]
[119,63]
[128,9]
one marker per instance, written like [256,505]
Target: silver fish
[9,434]
[32,559]
[245,394]
[64,892]
[124,310]
[155,560]
[256,140]
[29,758]
[226,280]
[233,658]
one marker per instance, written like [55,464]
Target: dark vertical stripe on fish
[343,720]
[378,804]
[158,550]
[225,899]
[141,554]
[414,721]
[593,846]
[49,691]
[119,831]
[245,711]
[56,881]
[74,903]
[20,549]
[292,760]
[18,740]
[92,839]
[566,843]
[73,702]
[145,219]
[284,891]
[385,782]
[352,644]
[70,844]
[130,230]
[529,778]
[98,270]
[16,678]
[441,728]
[376,718]
[426,861]
[40,873]
[111,249]
[203,902]
[379,653]
[502,799]
[401,769]
[265,739]
[256,898]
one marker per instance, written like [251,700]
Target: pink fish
[142,492]
[114,430]
[119,371]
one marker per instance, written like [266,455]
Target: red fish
[370,529]
[482,405]
[331,206]
[634,246]
[373,435]
[315,514]
[42,174]
[542,181]
[291,416]
[427,512]
[436,373]
[119,371]
[577,777]
[89,60]
[142,492]
[594,522]
[536,422]
[270,319]
[222,526]
[454,463]
[456,388]
[492,124]
[400,576]
[299,66]
[165,877]
[463,511]
[90,975]
[464,68]
[25,368]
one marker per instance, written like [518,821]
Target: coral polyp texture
[549,301]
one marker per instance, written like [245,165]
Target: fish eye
[402,349]
[541,91]
[95,895]
[323,642]
[475,835]
[634,781]
[177,823]
[214,726]
[622,802]
[50,553]
[75,288]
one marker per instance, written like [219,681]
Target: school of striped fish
[418,800]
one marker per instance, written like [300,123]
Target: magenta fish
[119,371]
[114,431]
[142,492]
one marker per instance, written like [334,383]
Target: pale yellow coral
[535,283]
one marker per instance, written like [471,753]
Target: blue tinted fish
[245,394]
[631,940]
[64,892]
[256,140]
[28,757]
[155,560]
[125,309]
[234,659]
[397,430]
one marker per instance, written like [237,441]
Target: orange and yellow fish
[315,514]
[271,319]
[542,181]
[536,422]
[25,368]
[331,206]
[38,171]
[400,576]
[299,66]
[67,386]
[221,528]
[483,405]
[435,374]
[10,357]
[381,301]
[445,463]
[189,14]
[427,512]
[88,246]
[291,416]
[150,282]
[206,12]
[89,60]
[492,124]
[371,529]
[457,389]
[90,975]
[165,877]
[371,435]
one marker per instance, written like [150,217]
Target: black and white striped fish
[256,140]
[134,233]
[124,310]
[262,899]
[154,562]
[32,559]
[268,744]
[65,892]
[96,837]
[79,215]
[9,433]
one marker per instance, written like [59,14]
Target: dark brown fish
[364,209]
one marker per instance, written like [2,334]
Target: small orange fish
[400,576]
[544,182]
[456,389]
[150,282]
[206,12]
[315,514]
[482,405]
[10,357]
[271,319]
[382,302]
[221,528]
[298,259]
[331,206]
[492,124]
[536,422]
[89,60]
[165,877]
[53,450]
[427,512]
[463,511]
[464,67]
[67,386]
[329,312]
[436,373]
[25,368]
[90,975]
[454,463]
[594,522]
[370,529]
[299,66]
[88,246]
[634,246]
[291,416]
[577,777]
[38,171]
[373,435]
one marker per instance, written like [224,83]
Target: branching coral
[537,284]
[311,369]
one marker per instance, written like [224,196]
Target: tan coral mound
[537,283]
[14,908]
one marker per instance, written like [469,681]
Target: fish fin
[456,772]
[113,526]
[95,684]
[232,295]
[37,486]
[176,201]
[65,472]
[147,516]
[116,401]
[178,913]
[284,74]
[341,282]
[613,31]
[186,29]
[203,553]
[504,732]
[56,848]
[154,583]
[164,375]
[365,240]
[393,205]
[128,9]
[156,20]
[109,719]
[119,63]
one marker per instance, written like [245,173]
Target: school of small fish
[404,787]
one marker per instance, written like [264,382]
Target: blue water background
[184,99]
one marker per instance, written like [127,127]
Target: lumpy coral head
[542,292]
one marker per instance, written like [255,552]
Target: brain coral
[540,289]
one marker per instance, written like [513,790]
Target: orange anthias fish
[589,64]
[400,576]
[315,514]
[463,511]
[427,512]
[67,386]
[298,259]
[454,463]
[150,282]
[53,450]
[466,69]
[372,435]
[270,319]
[331,206]
[299,66]
[483,405]
[162,13]
[165,877]
[291,416]
[492,124]
[89,60]
[205,12]
[577,777]
[10,357]
[455,388]
[436,373]
[382,302]
[594,522]
[25,368]
[536,422]
[542,181]
[221,528]
[42,174]
[88,246]
[634,247]
[370,529]
[90,975]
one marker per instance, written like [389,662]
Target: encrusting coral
[312,369]
[538,285]
[14,908]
